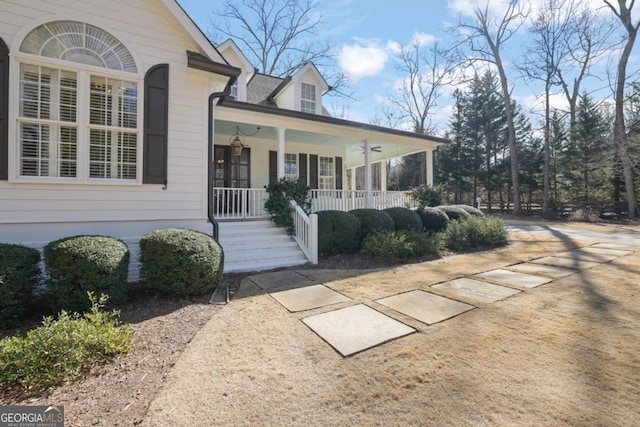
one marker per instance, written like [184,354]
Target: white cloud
[422,39]
[368,57]
[362,59]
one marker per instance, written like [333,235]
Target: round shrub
[453,212]
[338,232]
[80,264]
[433,220]
[180,262]
[405,219]
[19,274]
[470,210]
[372,220]
[475,232]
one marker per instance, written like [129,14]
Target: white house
[120,117]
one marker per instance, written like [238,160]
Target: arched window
[79,42]
[76,122]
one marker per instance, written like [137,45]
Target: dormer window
[234,91]
[308,98]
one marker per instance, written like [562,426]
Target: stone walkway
[358,327]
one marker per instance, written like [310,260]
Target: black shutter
[156,123]
[4,110]
[338,173]
[273,167]
[313,171]
[302,167]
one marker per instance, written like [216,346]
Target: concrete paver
[585,256]
[615,246]
[308,298]
[476,290]
[279,280]
[542,270]
[513,278]
[565,262]
[354,329]
[424,306]
[604,251]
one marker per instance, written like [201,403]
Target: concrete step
[257,246]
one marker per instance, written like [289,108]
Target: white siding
[287,98]
[153,36]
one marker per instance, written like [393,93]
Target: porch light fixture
[237,144]
[237,141]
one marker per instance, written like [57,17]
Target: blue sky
[366,33]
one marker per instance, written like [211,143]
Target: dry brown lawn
[565,353]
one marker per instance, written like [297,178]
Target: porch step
[256,246]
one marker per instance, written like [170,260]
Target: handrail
[305,232]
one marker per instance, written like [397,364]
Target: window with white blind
[291,166]
[308,98]
[76,123]
[326,173]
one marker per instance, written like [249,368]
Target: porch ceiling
[388,144]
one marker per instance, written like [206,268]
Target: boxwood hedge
[372,220]
[338,232]
[80,264]
[19,274]
[433,220]
[405,219]
[180,262]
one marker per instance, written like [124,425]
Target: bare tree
[585,41]
[623,13]
[486,36]
[426,71]
[542,62]
[279,36]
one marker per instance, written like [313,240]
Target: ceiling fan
[376,148]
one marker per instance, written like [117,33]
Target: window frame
[310,101]
[322,179]
[293,159]
[84,72]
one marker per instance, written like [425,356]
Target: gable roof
[261,87]
[192,31]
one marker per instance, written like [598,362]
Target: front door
[232,172]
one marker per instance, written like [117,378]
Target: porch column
[368,200]
[383,175]
[429,153]
[281,150]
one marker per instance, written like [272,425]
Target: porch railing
[306,232]
[239,203]
[346,200]
[248,203]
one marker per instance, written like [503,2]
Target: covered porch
[255,145]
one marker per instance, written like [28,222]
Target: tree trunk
[619,129]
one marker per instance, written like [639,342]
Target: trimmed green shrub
[470,210]
[64,348]
[338,232]
[180,262]
[372,220]
[19,274]
[278,204]
[475,232]
[453,212]
[433,220]
[80,264]
[405,219]
[427,195]
[400,244]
